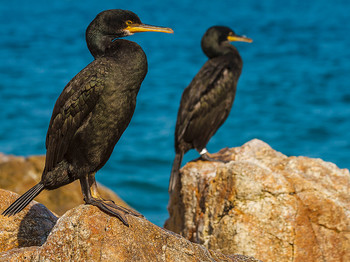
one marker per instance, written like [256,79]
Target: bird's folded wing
[73,106]
[196,96]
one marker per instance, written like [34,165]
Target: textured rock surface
[18,174]
[87,234]
[265,204]
[28,228]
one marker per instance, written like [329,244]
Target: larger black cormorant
[93,110]
[207,101]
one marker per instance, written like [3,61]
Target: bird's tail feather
[175,171]
[23,200]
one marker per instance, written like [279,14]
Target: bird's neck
[219,49]
[127,54]
[97,42]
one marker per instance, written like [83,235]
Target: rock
[87,234]
[19,174]
[28,228]
[264,204]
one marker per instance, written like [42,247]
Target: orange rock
[264,204]
[87,234]
[28,228]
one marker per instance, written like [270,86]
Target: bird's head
[216,36]
[115,23]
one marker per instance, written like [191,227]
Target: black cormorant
[207,101]
[93,110]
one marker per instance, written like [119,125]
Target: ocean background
[294,91]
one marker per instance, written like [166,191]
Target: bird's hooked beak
[137,28]
[237,38]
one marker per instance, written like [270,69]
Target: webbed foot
[92,197]
[206,156]
[109,207]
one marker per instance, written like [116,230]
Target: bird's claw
[109,207]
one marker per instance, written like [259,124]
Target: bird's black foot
[109,207]
[92,197]
[207,157]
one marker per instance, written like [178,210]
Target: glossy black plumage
[207,101]
[94,109]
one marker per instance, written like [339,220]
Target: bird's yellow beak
[237,38]
[137,28]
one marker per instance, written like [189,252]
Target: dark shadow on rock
[35,226]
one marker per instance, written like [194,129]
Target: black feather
[23,200]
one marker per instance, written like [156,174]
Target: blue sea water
[294,91]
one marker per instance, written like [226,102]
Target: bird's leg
[111,203]
[206,156]
[92,197]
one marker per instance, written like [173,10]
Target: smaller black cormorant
[93,110]
[207,101]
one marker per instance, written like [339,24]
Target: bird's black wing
[72,107]
[206,101]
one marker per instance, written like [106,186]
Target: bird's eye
[129,22]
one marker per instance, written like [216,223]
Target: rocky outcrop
[264,204]
[28,228]
[87,234]
[18,174]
